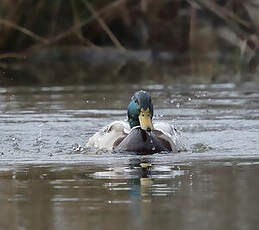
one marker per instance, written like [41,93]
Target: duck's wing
[170,134]
[106,137]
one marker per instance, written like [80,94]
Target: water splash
[200,148]
[76,148]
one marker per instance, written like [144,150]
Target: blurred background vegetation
[82,41]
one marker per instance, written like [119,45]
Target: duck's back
[105,138]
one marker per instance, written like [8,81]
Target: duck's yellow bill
[145,119]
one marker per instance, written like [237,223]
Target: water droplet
[14,175]
[77,148]
[57,142]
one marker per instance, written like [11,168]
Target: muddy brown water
[50,180]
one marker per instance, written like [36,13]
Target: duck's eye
[135,100]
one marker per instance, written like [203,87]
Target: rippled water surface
[50,180]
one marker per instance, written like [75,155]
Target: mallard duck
[139,134]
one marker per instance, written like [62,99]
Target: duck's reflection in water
[142,184]
[141,189]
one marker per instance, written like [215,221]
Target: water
[50,180]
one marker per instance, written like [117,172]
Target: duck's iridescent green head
[140,111]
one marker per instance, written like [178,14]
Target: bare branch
[224,13]
[83,23]
[12,55]
[104,26]
[23,30]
